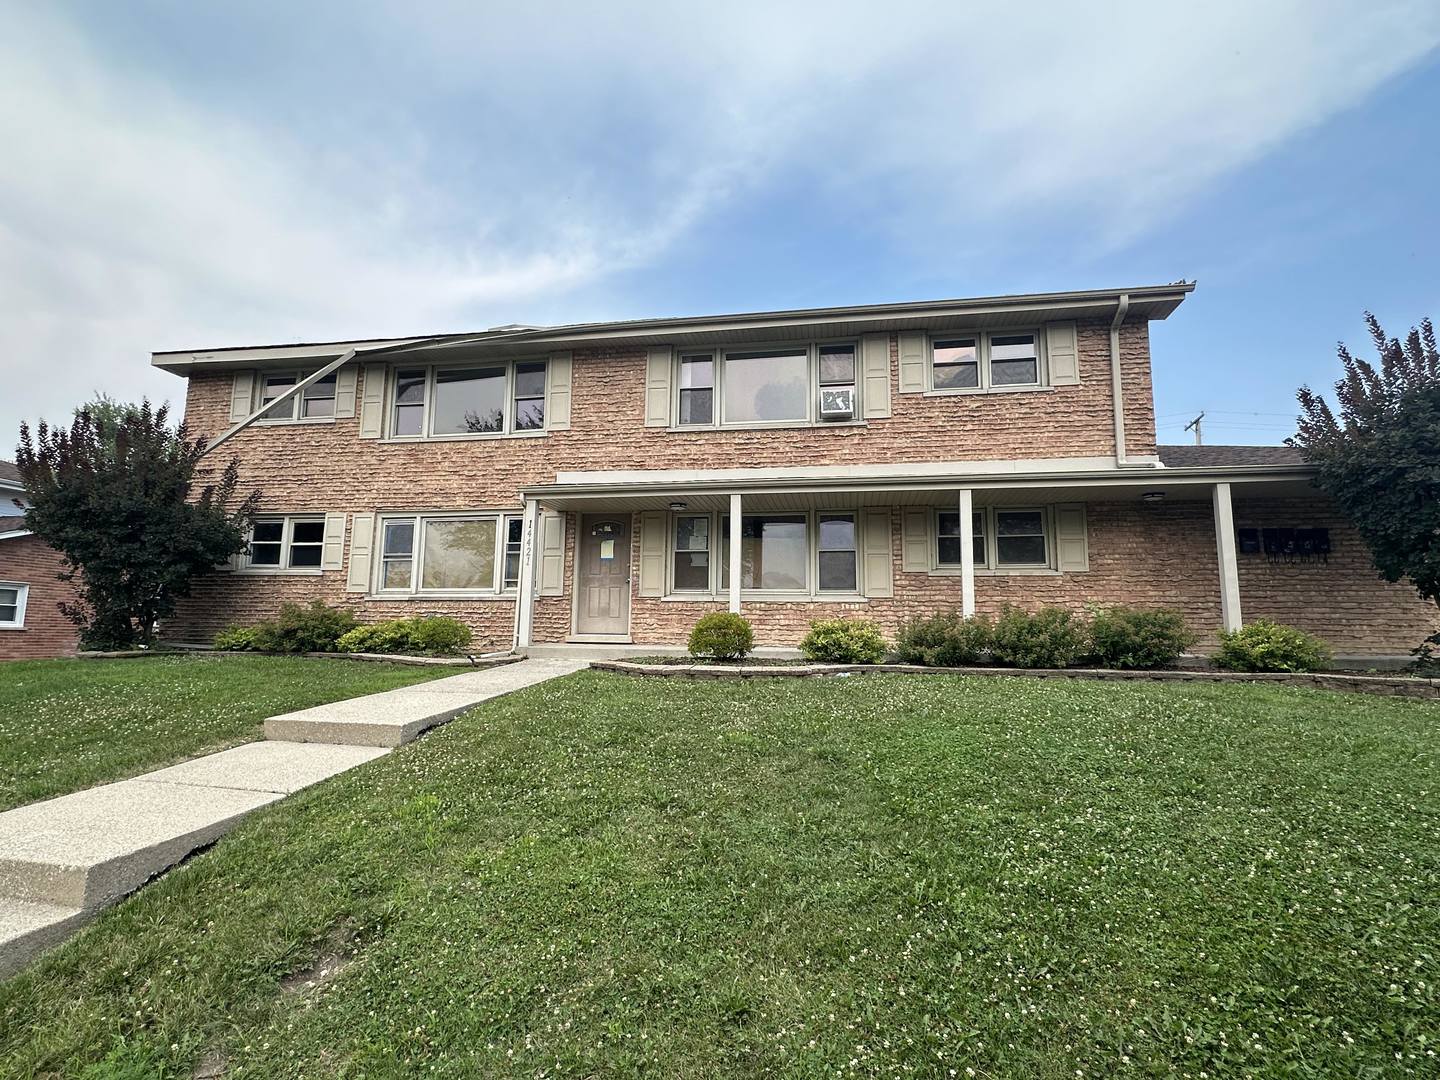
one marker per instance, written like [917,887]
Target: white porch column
[525,602]
[735,552]
[967,553]
[1225,550]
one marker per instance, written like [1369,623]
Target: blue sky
[192,175]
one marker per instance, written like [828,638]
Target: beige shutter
[242,396]
[372,401]
[879,563]
[362,541]
[332,551]
[653,543]
[551,542]
[1070,543]
[557,392]
[914,356]
[915,542]
[658,362]
[345,391]
[875,363]
[1062,354]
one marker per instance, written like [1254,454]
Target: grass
[865,876]
[68,724]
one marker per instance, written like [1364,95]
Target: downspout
[1117,390]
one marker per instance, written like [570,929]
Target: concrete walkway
[64,859]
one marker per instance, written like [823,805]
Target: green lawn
[68,724]
[865,876]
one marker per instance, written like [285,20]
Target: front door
[602,594]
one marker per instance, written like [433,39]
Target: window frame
[286,542]
[22,596]
[499,588]
[427,415]
[992,565]
[297,400]
[985,384]
[812,418]
[719,536]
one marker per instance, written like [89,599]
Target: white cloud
[427,168]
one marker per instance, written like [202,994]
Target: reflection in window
[692,553]
[957,364]
[837,553]
[947,531]
[774,552]
[469,401]
[1013,360]
[458,555]
[697,389]
[409,403]
[766,386]
[529,397]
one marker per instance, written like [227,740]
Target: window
[12,605]
[837,553]
[315,402]
[495,399]
[286,543]
[448,553]
[1012,539]
[837,382]
[697,388]
[793,384]
[812,553]
[774,552]
[691,553]
[765,387]
[985,361]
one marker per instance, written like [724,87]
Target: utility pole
[1199,439]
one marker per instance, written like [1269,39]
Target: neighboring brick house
[611,482]
[30,588]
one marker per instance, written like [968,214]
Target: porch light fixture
[1153,496]
[677,506]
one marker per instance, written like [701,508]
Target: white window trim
[22,590]
[812,367]
[258,394]
[992,567]
[497,589]
[812,592]
[982,354]
[287,533]
[508,432]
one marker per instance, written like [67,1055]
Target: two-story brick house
[612,482]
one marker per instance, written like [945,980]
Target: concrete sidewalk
[64,859]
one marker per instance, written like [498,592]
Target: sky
[179,175]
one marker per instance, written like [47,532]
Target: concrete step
[28,928]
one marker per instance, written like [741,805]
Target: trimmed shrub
[433,635]
[1050,638]
[1269,646]
[723,635]
[438,635]
[314,628]
[945,640]
[844,641]
[235,639]
[1126,637]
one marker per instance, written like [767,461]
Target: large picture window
[285,543]
[481,400]
[1002,538]
[753,387]
[448,553]
[811,553]
[975,362]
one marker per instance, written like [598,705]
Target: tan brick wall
[47,633]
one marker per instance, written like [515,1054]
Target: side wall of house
[46,633]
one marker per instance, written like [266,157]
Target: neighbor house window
[315,402]
[1001,538]
[12,605]
[448,553]
[286,543]
[489,399]
[749,387]
[985,361]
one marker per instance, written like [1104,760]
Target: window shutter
[914,355]
[879,576]
[242,396]
[1070,541]
[362,541]
[372,401]
[557,392]
[875,362]
[915,542]
[657,387]
[332,551]
[1062,354]
[345,391]
[653,543]
[552,553]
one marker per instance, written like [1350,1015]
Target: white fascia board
[15,534]
[215,359]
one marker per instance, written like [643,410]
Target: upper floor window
[1003,538]
[315,402]
[985,361]
[446,553]
[490,399]
[286,543]
[752,387]
[12,605]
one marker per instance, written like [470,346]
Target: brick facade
[26,560]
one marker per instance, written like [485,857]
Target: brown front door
[602,598]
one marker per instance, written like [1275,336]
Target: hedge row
[320,628]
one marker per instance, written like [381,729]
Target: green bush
[945,640]
[1268,646]
[1050,638]
[723,635]
[236,639]
[844,641]
[433,635]
[314,628]
[1125,637]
